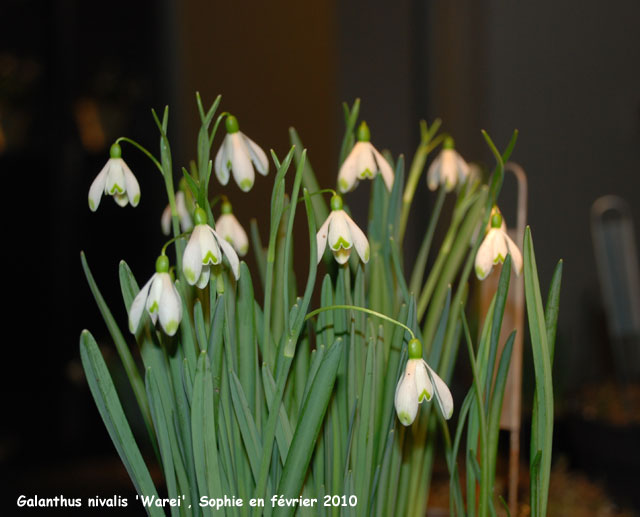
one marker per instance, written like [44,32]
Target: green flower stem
[361,309]
[449,242]
[172,240]
[215,127]
[167,172]
[425,247]
[141,148]
[288,248]
[427,145]
[458,251]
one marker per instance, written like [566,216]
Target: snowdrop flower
[161,299]
[342,233]
[419,383]
[115,179]
[236,154]
[364,161]
[203,250]
[186,224]
[229,228]
[448,169]
[495,246]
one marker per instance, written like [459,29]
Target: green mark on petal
[424,394]
[92,205]
[191,275]
[499,259]
[405,418]
[341,243]
[367,173]
[117,188]
[480,273]
[171,327]
[343,184]
[228,164]
[209,258]
[153,308]
[136,199]
[246,184]
[366,254]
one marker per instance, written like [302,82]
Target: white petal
[500,249]
[516,256]
[209,250]
[131,185]
[406,398]
[321,236]
[115,178]
[424,388]
[121,199]
[241,167]
[339,233]
[348,176]
[443,395]
[484,257]
[384,168]
[463,168]
[153,300]
[203,281]
[230,253]
[433,174]
[183,213]
[342,255]
[258,156]
[192,258]
[135,311]
[366,165]
[230,229]
[97,188]
[221,164]
[449,169]
[170,306]
[165,220]
[360,241]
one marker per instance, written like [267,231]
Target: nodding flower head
[184,215]
[230,229]
[418,383]
[495,246]
[364,161]
[448,169]
[160,298]
[342,234]
[203,251]
[115,179]
[239,154]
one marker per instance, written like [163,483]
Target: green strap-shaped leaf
[542,433]
[308,427]
[106,398]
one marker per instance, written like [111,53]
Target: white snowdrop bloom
[115,179]
[364,161]
[342,234]
[203,250]
[239,154]
[448,169]
[494,248]
[160,298]
[186,223]
[230,229]
[418,383]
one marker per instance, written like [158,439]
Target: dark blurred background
[76,75]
